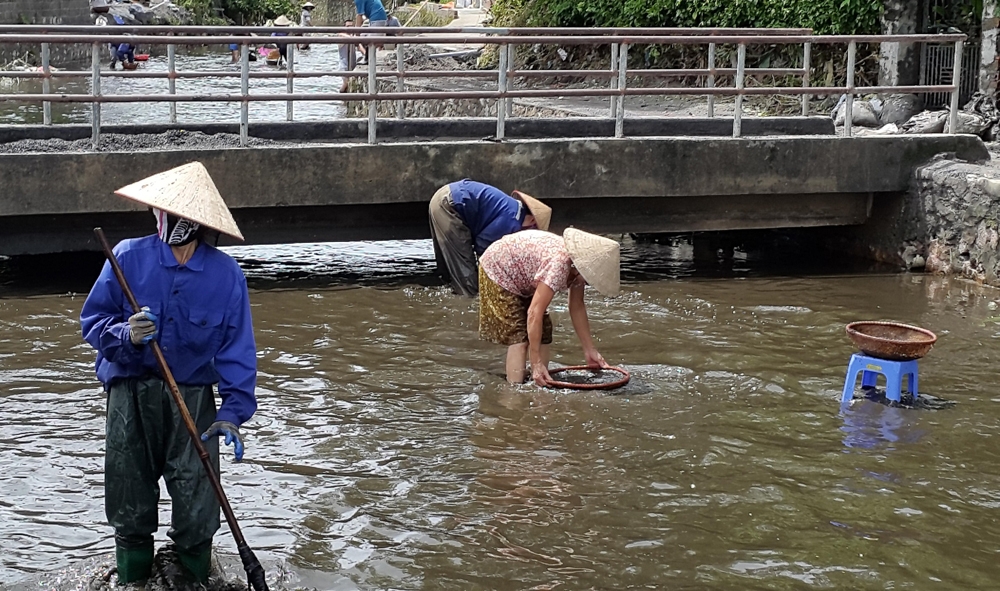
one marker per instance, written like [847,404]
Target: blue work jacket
[203,312]
[489,213]
[373,9]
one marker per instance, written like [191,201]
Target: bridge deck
[350,191]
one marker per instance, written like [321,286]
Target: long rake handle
[192,430]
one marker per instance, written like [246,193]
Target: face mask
[173,230]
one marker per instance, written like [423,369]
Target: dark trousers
[146,440]
[454,248]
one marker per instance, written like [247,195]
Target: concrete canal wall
[44,12]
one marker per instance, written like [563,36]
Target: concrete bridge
[335,188]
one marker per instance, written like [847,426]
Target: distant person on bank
[518,277]
[197,307]
[306,20]
[467,217]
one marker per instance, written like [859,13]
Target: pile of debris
[904,114]
[120,12]
[174,139]
[425,57]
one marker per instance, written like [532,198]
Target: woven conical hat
[597,258]
[282,21]
[187,192]
[542,212]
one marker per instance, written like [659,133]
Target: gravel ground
[144,142]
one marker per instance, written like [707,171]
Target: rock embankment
[947,223]
[417,58]
[961,213]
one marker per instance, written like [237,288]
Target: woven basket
[891,340]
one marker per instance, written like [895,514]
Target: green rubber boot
[134,564]
[197,563]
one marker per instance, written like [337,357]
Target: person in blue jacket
[467,217]
[375,12]
[196,305]
[124,53]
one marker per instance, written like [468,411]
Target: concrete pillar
[988,53]
[899,63]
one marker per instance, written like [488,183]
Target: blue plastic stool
[894,371]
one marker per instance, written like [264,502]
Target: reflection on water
[388,453]
[317,58]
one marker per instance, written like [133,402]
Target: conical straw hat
[542,212]
[597,258]
[188,192]
[282,21]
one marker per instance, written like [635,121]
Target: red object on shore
[141,57]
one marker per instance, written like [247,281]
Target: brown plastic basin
[891,340]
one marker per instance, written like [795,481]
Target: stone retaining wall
[961,207]
[44,12]
[332,13]
[948,222]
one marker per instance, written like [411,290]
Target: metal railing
[505,39]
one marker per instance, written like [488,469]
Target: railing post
[806,72]
[614,79]
[502,89]
[509,102]
[852,51]
[46,85]
[741,61]
[622,71]
[400,72]
[710,83]
[95,121]
[956,79]
[172,80]
[372,90]
[244,92]
[290,83]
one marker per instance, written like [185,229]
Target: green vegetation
[841,17]
[241,12]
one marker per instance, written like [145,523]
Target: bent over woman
[518,277]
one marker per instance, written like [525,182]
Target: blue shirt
[373,9]
[489,213]
[203,313]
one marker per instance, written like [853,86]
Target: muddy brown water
[387,452]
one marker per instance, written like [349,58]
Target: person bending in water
[467,217]
[199,312]
[518,277]
[124,53]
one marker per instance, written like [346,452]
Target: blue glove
[231,432]
[142,326]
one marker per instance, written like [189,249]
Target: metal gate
[936,63]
